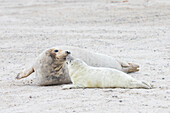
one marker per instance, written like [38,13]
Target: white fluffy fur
[84,76]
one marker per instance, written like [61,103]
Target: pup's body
[51,69]
[84,76]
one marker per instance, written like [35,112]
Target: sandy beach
[136,31]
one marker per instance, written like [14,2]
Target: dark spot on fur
[56,79]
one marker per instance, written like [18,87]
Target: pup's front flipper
[25,73]
[71,86]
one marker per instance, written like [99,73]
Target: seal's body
[100,60]
[85,76]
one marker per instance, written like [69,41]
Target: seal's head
[69,59]
[74,63]
[56,54]
[51,67]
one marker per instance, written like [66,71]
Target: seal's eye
[56,50]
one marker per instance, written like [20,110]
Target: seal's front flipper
[72,86]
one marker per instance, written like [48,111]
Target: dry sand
[135,31]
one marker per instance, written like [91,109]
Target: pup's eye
[56,50]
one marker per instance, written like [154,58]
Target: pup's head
[74,62]
[56,54]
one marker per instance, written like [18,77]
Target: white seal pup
[84,76]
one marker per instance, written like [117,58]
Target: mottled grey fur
[50,68]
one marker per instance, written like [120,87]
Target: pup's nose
[68,52]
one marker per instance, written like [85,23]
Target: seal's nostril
[68,52]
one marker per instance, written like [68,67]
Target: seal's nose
[68,52]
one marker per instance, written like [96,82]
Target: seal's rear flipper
[133,67]
[140,84]
[129,67]
[148,85]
